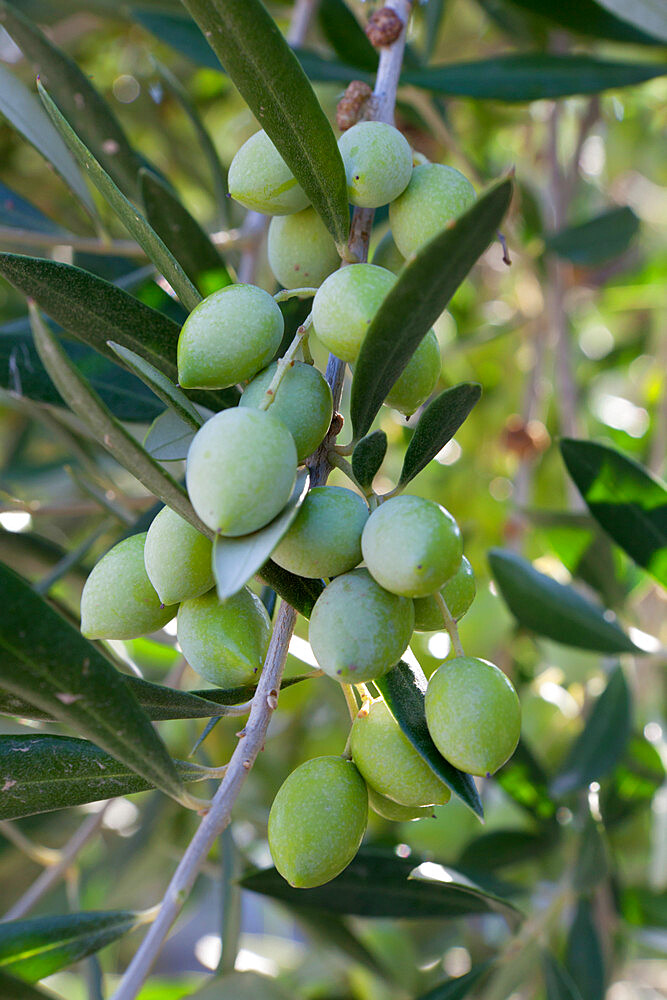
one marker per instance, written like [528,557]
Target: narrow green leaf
[603,741]
[23,111]
[403,689]
[169,437]
[298,591]
[162,386]
[584,958]
[437,425]
[368,456]
[587,18]
[179,32]
[557,980]
[236,560]
[459,988]
[648,16]
[35,948]
[267,73]
[600,239]
[633,782]
[42,773]
[504,847]
[17,213]
[553,609]
[183,235]
[334,932]
[133,221]
[625,499]
[592,864]
[643,907]
[17,989]
[421,293]
[345,35]
[78,99]
[47,662]
[523,779]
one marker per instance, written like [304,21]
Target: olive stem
[338,462]
[286,362]
[351,701]
[450,623]
[294,293]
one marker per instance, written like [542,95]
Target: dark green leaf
[649,16]
[633,783]
[592,864]
[557,979]
[183,235]
[643,908]
[629,503]
[553,609]
[421,293]
[531,76]
[584,960]
[603,741]
[298,591]
[162,386]
[437,425]
[236,560]
[17,213]
[47,662]
[77,98]
[587,18]
[16,989]
[180,32]
[457,989]
[600,239]
[403,689]
[333,932]
[368,456]
[43,773]
[345,35]
[266,72]
[35,948]
[504,847]
[523,780]
[377,884]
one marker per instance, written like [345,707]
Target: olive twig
[286,362]
[294,293]
[341,463]
[450,623]
[351,701]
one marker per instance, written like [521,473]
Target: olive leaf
[368,456]
[437,425]
[162,386]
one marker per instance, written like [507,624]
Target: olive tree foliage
[543,434]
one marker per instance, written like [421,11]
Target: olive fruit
[241,470]
[435,195]
[303,402]
[317,821]
[229,337]
[118,600]
[389,809]
[388,255]
[378,163]
[345,304]
[389,763]
[325,537]
[411,546]
[177,558]
[224,641]
[358,630]
[473,714]
[458,592]
[419,377]
[260,179]
[301,250]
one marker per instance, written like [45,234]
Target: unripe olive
[458,592]
[419,377]
[224,641]
[411,546]
[118,600]
[473,714]
[325,538]
[303,402]
[260,179]
[378,163]
[389,763]
[435,195]
[391,810]
[358,630]
[317,821]
[301,249]
[345,304]
[241,470]
[229,337]
[177,558]
[388,255]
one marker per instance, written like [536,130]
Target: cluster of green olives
[240,473]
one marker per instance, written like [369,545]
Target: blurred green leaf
[592,864]
[499,848]
[403,689]
[180,32]
[240,986]
[633,783]
[16,989]
[598,240]
[587,18]
[629,503]
[584,959]
[643,907]
[422,291]
[17,213]
[162,386]
[334,932]
[523,779]
[267,74]
[345,35]
[368,456]
[603,740]
[553,609]
[437,425]
[648,16]
[557,980]
[457,989]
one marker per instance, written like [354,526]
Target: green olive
[260,179]
[393,811]
[325,538]
[177,558]
[418,379]
[435,196]
[301,250]
[378,163]
[458,592]
[345,304]
[388,255]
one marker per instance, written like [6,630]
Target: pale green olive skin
[418,379]
[458,592]
[389,763]
[229,337]
[473,714]
[345,304]
[177,558]
[301,250]
[260,179]
[378,163]
[118,600]
[388,255]
[241,470]
[358,630]
[303,402]
[435,196]
[325,538]
[390,810]
[411,546]
[317,821]
[224,641]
